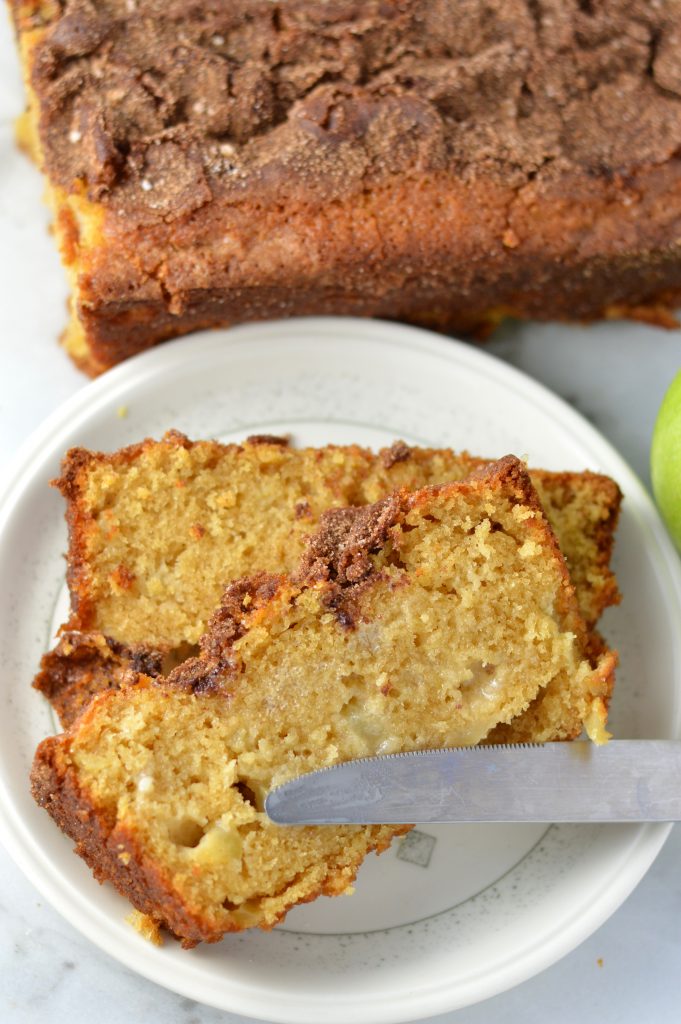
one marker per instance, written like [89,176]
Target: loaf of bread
[424,620]
[444,162]
[158,529]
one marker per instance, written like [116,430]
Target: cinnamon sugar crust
[340,549]
[346,93]
[446,163]
[84,664]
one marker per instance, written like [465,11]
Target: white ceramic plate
[453,914]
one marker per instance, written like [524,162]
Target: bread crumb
[595,723]
[146,926]
[599,961]
[122,412]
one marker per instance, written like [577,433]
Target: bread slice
[422,621]
[157,530]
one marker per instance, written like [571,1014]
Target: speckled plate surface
[453,914]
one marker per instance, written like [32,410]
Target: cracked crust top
[160,107]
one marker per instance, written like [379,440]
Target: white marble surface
[630,970]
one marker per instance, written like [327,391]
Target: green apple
[665,459]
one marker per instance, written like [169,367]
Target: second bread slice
[158,529]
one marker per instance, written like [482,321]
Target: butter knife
[624,780]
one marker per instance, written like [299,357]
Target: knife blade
[623,780]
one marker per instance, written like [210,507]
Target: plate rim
[43,872]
